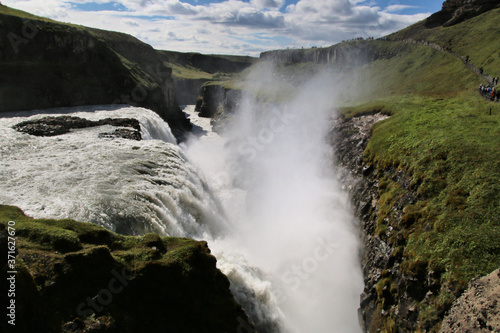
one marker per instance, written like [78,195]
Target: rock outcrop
[391,293]
[52,126]
[344,55]
[214,98]
[79,277]
[478,309]
[187,90]
[47,64]
[456,11]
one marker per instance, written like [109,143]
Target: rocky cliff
[216,97]
[344,55]
[47,64]
[193,70]
[78,277]
[477,309]
[398,296]
[456,11]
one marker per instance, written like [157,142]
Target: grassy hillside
[204,66]
[477,38]
[447,138]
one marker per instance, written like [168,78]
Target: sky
[239,27]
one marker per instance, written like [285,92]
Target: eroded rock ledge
[79,277]
[380,261]
[478,309]
[52,126]
[395,293]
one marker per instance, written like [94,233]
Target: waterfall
[272,168]
[263,196]
[131,187]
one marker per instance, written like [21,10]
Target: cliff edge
[47,64]
[79,277]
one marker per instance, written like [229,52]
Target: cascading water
[127,186]
[273,172]
[267,200]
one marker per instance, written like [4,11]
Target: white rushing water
[264,196]
[273,172]
[132,187]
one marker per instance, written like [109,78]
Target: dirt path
[440,48]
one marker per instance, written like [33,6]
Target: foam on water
[128,186]
[132,187]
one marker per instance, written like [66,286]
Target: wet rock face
[52,126]
[478,309]
[215,97]
[386,287]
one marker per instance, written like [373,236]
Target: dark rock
[52,126]
[380,258]
[122,133]
[456,11]
[218,103]
[211,98]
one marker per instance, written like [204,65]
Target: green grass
[477,37]
[449,146]
[207,67]
[67,236]
[446,137]
[188,72]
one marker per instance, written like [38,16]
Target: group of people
[358,39]
[489,90]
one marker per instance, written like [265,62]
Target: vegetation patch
[79,275]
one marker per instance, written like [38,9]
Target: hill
[191,70]
[48,64]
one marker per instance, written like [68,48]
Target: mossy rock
[74,276]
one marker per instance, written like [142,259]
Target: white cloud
[233,26]
[130,22]
[397,8]
[268,3]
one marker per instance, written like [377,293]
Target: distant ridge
[456,11]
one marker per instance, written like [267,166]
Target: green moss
[71,236]
[385,290]
[389,192]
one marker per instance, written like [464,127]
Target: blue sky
[245,27]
